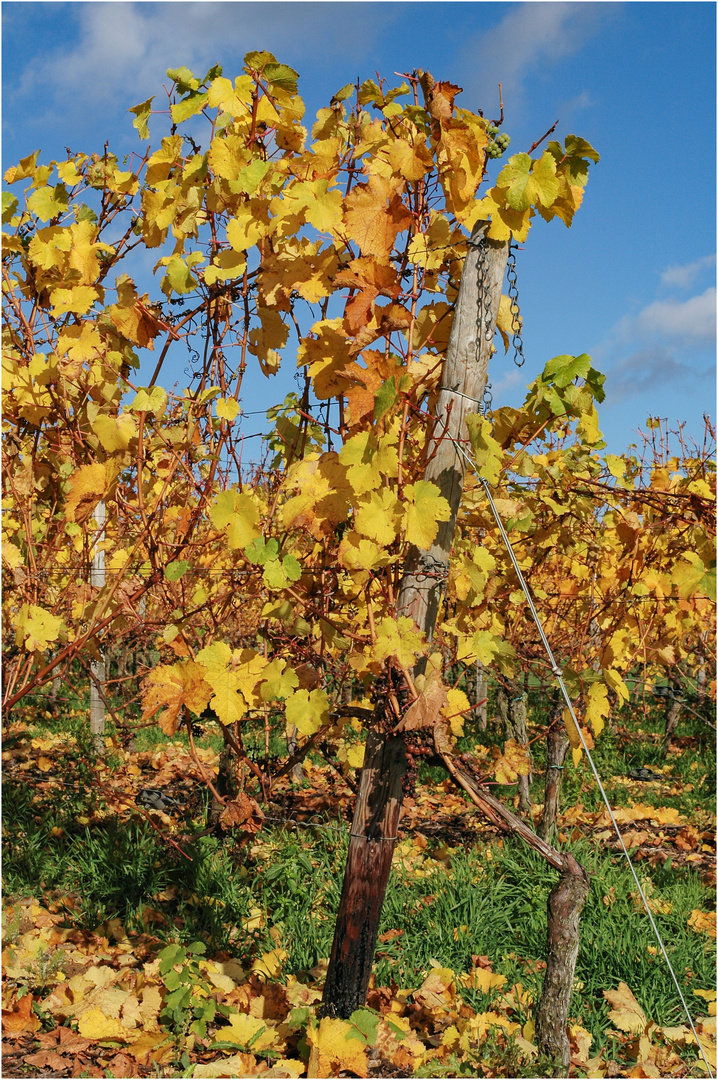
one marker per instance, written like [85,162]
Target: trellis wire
[559,676]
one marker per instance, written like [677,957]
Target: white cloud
[682,277]
[531,36]
[693,319]
[130,45]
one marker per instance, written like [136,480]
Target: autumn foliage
[267,580]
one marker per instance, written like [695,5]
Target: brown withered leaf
[425,711]
[441,100]
[242,812]
[47,1059]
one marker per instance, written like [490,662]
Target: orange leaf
[21,1022]
[374,215]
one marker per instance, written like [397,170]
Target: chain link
[483,315]
[516,323]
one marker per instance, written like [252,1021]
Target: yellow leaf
[233,677]
[174,686]
[457,704]
[87,486]
[248,225]
[514,762]
[397,637]
[703,922]
[93,1024]
[35,628]
[308,710]
[227,408]
[484,980]
[79,342]
[488,454]
[378,516]
[238,513]
[270,964]
[597,707]
[44,764]
[335,1046]
[427,507]
[374,215]
[235,1065]
[115,432]
[355,756]
[626,1013]
[245,1029]
[78,300]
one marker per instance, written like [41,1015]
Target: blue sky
[632,282]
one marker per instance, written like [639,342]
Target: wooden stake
[97,705]
[371,847]
[463,382]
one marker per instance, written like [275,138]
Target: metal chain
[513,292]
[483,310]
[483,314]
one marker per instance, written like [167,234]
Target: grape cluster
[499,142]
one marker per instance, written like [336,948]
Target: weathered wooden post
[369,859]
[556,746]
[97,667]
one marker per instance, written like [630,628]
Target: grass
[449,905]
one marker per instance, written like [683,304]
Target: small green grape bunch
[499,141]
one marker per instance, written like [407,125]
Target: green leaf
[250,177]
[292,567]
[488,454]
[344,93]
[184,79]
[367,1022]
[260,551]
[189,106]
[258,60]
[85,213]
[197,947]
[283,76]
[180,276]
[174,570]
[385,397]
[274,575]
[9,206]
[562,370]
[142,115]
[214,73]
[529,182]
[154,400]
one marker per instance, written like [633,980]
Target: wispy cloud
[530,37]
[682,277]
[692,320]
[121,45]
[649,369]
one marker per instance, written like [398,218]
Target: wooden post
[463,382]
[462,387]
[371,846]
[97,667]
[556,746]
[482,694]
[513,714]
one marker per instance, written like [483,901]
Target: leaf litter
[101,1002]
